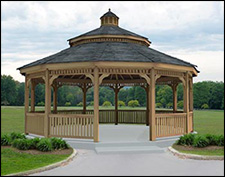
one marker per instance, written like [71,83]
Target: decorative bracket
[145,76]
[102,77]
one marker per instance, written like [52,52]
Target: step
[129,149]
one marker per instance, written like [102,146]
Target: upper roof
[109,43]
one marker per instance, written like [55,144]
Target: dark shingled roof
[109,30]
[110,51]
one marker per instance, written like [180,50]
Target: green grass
[200,151]
[14,162]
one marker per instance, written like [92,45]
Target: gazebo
[115,57]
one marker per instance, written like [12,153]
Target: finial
[109,10]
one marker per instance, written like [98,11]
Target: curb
[193,156]
[45,168]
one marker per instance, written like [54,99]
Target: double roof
[117,51]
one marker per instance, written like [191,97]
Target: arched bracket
[145,76]
[157,76]
[52,79]
[91,77]
[102,77]
[183,80]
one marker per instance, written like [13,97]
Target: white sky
[191,31]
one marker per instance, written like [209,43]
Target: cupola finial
[109,10]
[109,18]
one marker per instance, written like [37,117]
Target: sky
[192,31]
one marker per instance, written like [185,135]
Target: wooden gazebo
[108,56]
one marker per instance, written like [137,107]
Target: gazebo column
[26,102]
[32,95]
[47,103]
[191,105]
[116,90]
[186,101]
[55,95]
[152,106]
[174,88]
[84,89]
[96,105]
[147,105]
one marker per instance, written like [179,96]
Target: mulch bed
[190,148]
[36,152]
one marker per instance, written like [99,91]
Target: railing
[170,124]
[71,125]
[35,123]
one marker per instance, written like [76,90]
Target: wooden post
[47,103]
[174,87]
[32,96]
[186,101]
[152,106]
[147,105]
[84,89]
[116,90]
[96,105]
[26,103]
[55,95]
[191,105]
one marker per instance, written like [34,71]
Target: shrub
[220,140]
[187,139]
[44,145]
[14,136]
[212,139]
[169,105]
[121,103]
[67,104]
[80,104]
[200,141]
[22,144]
[133,103]
[41,103]
[106,104]
[205,106]
[158,105]
[6,140]
[91,103]
[34,143]
[180,104]
[59,143]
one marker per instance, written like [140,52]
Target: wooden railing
[35,123]
[171,124]
[71,125]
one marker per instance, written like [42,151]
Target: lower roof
[110,51]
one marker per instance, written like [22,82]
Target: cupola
[109,18]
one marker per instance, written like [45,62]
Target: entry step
[129,149]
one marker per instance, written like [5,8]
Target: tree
[106,104]
[121,103]
[180,104]
[67,104]
[158,105]
[8,90]
[133,103]
[80,104]
[169,105]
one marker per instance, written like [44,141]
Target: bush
[212,139]
[169,105]
[59,143]
[6,140]
[121,103]
[180,104]
[200,141]
[44,145]
[205,106]
[106,104]
[41,103]
[34,143]
[67,104]
[187,140]
[133,103]
[14,136]
[220,140]
[158,105]
[80,104]
[91,103]
[22,144]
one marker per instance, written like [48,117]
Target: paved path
[88,163]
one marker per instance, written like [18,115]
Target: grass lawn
[201,151]
[14,162]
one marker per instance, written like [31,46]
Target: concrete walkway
[125,150]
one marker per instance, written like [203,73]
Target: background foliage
[206,93]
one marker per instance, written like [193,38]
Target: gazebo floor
[122,138]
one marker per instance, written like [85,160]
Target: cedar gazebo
[108,56]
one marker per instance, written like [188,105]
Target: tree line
[207,94]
